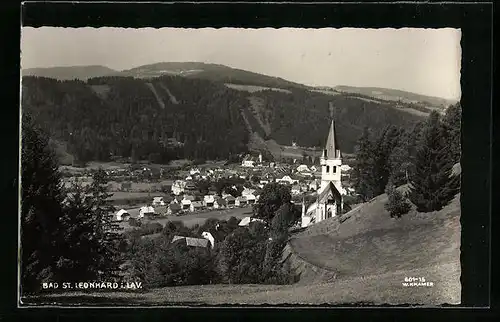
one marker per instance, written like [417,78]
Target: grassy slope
[369,246]
[369,253]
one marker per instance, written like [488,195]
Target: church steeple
[332,149]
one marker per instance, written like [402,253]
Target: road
[196,218]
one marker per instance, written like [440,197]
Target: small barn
[122,215]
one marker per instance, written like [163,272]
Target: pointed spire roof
[332,149]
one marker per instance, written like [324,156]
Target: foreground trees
[64,236]
[432,185]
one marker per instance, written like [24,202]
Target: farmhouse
[241,201]
[195,206]
[146,211]
[286,180]
[302,168]
[329,199]
[158,201]
[122,215]
[230,201]
[208,201]
[193,242]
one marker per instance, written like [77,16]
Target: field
[190,220]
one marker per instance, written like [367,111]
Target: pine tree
[41,210]
[384,145]
[432,185]
[363,169]
[452,123]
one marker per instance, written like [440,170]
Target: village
[193,193]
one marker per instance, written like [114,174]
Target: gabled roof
[221,201]
[332,148]
[330,187]
[197,242]
[229,198]
[196,204]
[174,206]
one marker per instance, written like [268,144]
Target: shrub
[133,222]
[397,204]
[150,228]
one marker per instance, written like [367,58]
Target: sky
[424,61]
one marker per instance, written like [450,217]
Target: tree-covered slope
[169,117]
[70,72]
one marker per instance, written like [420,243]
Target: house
[302,168]
[178,187]
[220,203]
[189,178]
[158,201]
[208,201]
[251,199]
[247,191]
[194,171]
[230,201]
[286,180]
[209,237]
[173,209]
[247,220]
[345,167]
[249,161]
[189,187]
[193,242]
[195,206]
[146,211]
[122,215]
[185,204]
[241,201]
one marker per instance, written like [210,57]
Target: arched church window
[327,169]
[334,169]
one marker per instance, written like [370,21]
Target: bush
[150,228]
[133,222]
[397,204]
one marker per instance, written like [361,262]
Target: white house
[302,168]
[185,204]
[286,179]
[249,161]
[208,200]
[189,178]
[158,201]
[251,199]
[241,201]
[194,171]
[122,214]
[345,167]
[178,187]
[195,206]
[209,237]
[247,191]
[146,211]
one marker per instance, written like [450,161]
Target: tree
[432,186]
[363,175]
[41,208]
[92,248]
[452,123]
[272,197]
[397,204]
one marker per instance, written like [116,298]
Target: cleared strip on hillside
[158,98]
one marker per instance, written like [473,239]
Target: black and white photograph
[213,166]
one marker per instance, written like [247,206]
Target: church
[328,198]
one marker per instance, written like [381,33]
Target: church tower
[331,160]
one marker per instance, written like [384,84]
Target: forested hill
[178,117]
[70,72]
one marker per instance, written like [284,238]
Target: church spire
[332,149]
